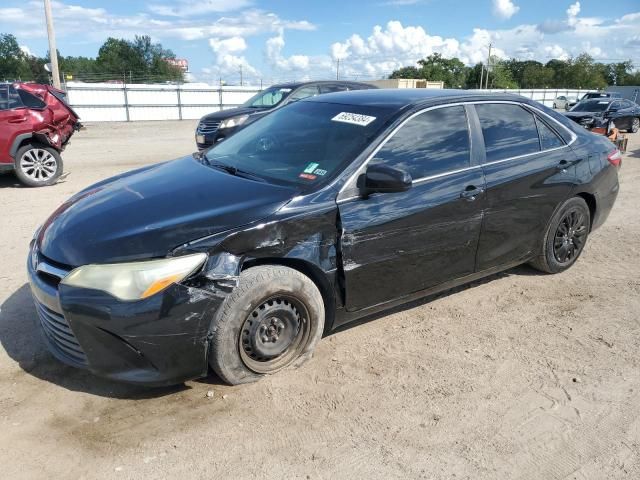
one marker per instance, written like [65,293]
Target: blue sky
[279,40]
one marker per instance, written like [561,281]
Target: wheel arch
[313,272]
[590,199]
[18,142]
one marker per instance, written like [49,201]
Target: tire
[273,319]
[635,125]
[555,106]
[37,165]
[569,228]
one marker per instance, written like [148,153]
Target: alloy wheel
[570,236]
[38,164]
[636,125]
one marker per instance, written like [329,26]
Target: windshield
[268,98]
[304,144]
[591,106]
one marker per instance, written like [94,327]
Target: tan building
[406,83]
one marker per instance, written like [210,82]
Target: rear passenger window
[548,138]
[509,131]
[429,144]
[30,100]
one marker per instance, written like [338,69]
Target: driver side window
[431,143]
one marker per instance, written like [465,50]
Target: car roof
[602,100]
[322,82]
[399,98]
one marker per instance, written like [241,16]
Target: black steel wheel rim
[570,236]
[274,334]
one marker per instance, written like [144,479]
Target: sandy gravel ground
[519,376]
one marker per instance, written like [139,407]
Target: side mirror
[613,109]
[384,179]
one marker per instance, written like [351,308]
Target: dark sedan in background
[217,126]
[598,113]
[320,213]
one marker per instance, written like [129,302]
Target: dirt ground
[519,376]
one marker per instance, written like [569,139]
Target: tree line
[117,60]
[579,72]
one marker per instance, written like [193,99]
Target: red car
[35,125]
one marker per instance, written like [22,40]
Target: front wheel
[273,319]
[37,165]
[635,125]
[565,237]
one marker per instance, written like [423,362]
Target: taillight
[615,158]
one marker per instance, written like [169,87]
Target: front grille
[207,127]
[61,339]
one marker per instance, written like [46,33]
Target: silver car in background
[564,102]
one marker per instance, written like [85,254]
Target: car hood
[149,212]
[234,112]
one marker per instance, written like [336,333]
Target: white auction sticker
[353,118]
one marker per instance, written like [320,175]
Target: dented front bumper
[161,340]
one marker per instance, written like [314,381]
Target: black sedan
[217,126]
[601,113]
[316,215]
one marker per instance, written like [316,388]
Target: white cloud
[193,8]
[273,51]
[26,50]
[97,23]
[504,8]
[228,58]
[572,13]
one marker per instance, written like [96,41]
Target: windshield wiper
[235,171]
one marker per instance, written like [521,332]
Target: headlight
[137,280]
[233,121]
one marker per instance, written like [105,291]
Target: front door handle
[471,192]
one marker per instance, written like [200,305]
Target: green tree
[436,68]
[499,75]
[13,61]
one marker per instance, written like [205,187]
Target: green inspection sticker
[311,167]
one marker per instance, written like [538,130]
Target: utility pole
[241,75]
[338,69]
[488,67]
[53,50]
[481,75]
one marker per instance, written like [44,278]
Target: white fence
[108,102]
[546,96]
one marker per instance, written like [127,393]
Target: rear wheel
[272,319]
[565,237]
[37,165]
[635,125]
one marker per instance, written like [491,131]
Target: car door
[626,114]
[13,118]
[529,171]
[393,244]
[618,115]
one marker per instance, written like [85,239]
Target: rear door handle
[564,164]
[471,192]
